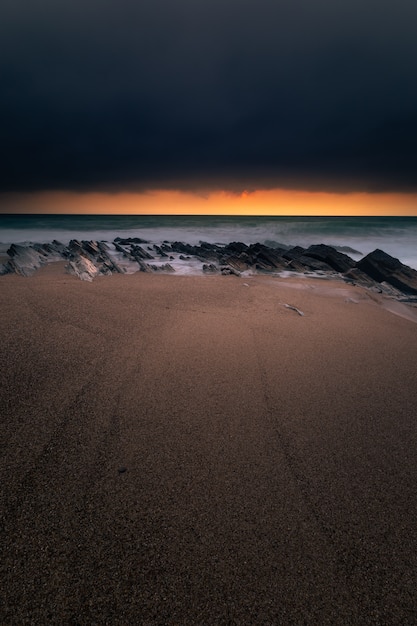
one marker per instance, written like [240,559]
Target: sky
[208,106]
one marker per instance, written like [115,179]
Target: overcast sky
[206,95]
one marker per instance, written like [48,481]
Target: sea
[356,236]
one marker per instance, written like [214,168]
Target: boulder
[25,260]
[210,268]
[293,253]
[337,260]
[384,268]
[83,268]
[266,258]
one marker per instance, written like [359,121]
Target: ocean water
[395,235]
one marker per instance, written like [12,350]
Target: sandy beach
[190,450]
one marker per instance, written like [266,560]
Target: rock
[83,268]
[237,263]
[126,253]
[384,268]
[236,247]
[145,267]
[166,268]
[266,258]
[129,240]
[337,260]
[293,253]
[357,277]
[91,247]
[210,268]
[139,253]
[25,260]
[229,271]
[160,251]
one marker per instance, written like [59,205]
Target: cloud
[206,95]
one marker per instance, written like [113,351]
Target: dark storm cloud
[198,94]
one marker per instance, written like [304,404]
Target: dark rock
[210,268]
[236,247]
[184,248]
[159,251]
[237,263]
[139,253]
[266,258]
[129,240]
[293,253]
[296,266]
[166,268]
[145,267]
[384,268]
[126,253]
[337,260]
[355,276]
[314,265]
[229,271]
[91,247]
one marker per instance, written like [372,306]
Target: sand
[188,450]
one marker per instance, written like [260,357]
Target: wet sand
[188,450]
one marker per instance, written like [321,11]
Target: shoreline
[378,271]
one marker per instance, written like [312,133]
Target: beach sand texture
[188,450]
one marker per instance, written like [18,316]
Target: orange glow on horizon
[274,202]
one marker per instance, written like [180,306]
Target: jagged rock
[145,267]
[210,268]
[160,251]
[293,253]
[91,247]
[166,267]
[129,240]
[265,258]
[337,260]
[236,247]
[139,253]
[126,253]
[237,263]
[25,260]
[384,268]
[356,276]
[229,271]
[296,266]
[83,268]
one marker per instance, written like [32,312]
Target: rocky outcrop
[384,268]
[87,259]
[326,254]
[24,260]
